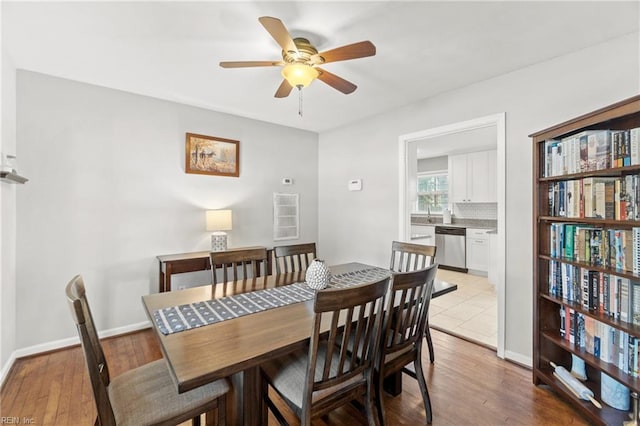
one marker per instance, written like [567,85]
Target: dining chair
[404,325]
[328,373]
[296,257]
[145,395]
[239,264]
[406,257]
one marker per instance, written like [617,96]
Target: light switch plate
[355,185]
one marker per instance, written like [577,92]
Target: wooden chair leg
[217,416]
[222,410]
[371,413]
[379,395]
[417,364]
[427,335]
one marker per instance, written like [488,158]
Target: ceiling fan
[301,60]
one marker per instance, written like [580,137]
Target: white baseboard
[519,358]
[63,343]
[6,367]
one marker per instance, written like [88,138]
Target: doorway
[408,172]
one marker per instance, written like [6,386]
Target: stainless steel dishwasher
[451,248]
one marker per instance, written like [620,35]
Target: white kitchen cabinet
[423,234]
[458,178]
[472,177]
[477,249]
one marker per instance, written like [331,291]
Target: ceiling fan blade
[336,82]
[284,89]
[279,32]
[243,64]
[351,51]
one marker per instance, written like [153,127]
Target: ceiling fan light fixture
[299,75]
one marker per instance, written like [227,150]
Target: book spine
[636,250]
[626,159]
[634,142]
[563,322]
[625,299]
[635,302]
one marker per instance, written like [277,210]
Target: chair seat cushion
[147,396]
[287,375]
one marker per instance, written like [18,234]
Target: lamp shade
[219,220]
[299,74]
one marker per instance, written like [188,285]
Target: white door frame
[404,209]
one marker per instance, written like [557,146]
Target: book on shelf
[603,148]
[635,301]
[591,150]
[595,291]
[635,251]
[625,299]
[608,247]
[605,342]
[634,144]
[595,197]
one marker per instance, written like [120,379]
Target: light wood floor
[468,384]
[470,312]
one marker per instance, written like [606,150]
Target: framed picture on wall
[209,155]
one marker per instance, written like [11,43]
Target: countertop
[458,225]
[419,236]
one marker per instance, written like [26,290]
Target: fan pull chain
[300,101]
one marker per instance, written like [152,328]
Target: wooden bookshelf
[548,345]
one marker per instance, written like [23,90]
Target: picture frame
[210,155]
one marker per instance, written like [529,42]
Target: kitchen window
[433,191]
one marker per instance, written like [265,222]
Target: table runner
[193,315]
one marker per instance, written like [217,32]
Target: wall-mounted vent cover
[286,217]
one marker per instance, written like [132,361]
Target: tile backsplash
[476,210]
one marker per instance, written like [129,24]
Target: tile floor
[470,312]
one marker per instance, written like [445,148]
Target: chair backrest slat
[407,309]
[295,257]
[93,353]
[355,316]
[234,263]
[406,257]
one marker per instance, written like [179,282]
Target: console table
[191,262]
[181,263]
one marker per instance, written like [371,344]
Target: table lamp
[219,221]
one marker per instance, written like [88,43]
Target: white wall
[7,218]
[533,98]
[108,192]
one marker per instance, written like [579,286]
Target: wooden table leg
[249,399]
[167,277]
[393,384]
[161,276]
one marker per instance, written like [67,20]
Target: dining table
[235,348]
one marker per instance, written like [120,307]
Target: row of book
[605,247]
[596,291]
[615,198]
[601,340]
[591,150]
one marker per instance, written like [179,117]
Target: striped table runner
[193,315]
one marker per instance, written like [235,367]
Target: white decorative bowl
[318,275]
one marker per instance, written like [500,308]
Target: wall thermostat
[355,185]
[287,181]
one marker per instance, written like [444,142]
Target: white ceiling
[171,50]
